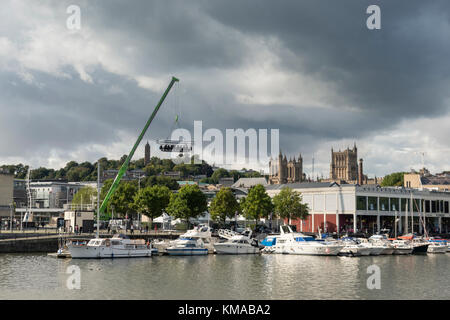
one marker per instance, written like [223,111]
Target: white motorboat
[187,247]
[383,241]
[198,232]
[236,243]
[196,241]
[290,242]
[437,247]
[353,248]
[402,247]
[375,249]
[119,246]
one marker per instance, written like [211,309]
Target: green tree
[224,205]
[393,179]
[152,201]
[257,204]
[123,197]
[84,196]
[219,173]
[288,205]
[169,182]
[189,202]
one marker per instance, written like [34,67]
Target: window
[405,204]
[361,203]
[427,206]
[394,204]
[372,203]
[416,205]
[384,204]
[433,206]
[446,207]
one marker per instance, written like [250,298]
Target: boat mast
[98,198]
[406,216]
[412,214]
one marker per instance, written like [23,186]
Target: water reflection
[226,277]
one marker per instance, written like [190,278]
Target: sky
[311,69]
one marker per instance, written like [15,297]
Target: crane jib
[124,166]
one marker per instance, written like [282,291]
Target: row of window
[401,204]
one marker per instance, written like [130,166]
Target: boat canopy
[269,241]
[299,239]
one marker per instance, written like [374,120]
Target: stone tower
[147,154]
[344,164]
[282,171]
[295,170]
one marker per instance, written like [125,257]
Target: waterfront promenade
[45,241]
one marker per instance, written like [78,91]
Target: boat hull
[222,248]
[376,251]
[354,251]
[187,251]
[402,251]
[87,252]
[437,249]
[420,249]
[313,250]
[387,251]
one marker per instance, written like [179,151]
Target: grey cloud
[388,75]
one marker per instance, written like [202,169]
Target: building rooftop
[435,180]
[249,182]
[304,185]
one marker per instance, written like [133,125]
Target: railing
[49,232]
[227,234]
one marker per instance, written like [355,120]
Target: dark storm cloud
[380,77]
[398,71]
[69,113]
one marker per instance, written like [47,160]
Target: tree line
[87,171]
[190,202]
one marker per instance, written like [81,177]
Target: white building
[369,208]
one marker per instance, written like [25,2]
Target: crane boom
[124,166]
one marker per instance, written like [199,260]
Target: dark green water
[226,277]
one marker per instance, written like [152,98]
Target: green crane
[124,166]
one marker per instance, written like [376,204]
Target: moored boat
[187,247]
[119,246]
[383,241]
[437,246]
[353,248]
[402,247]
[237,244]
[291,242]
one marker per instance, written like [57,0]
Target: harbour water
[38,276]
